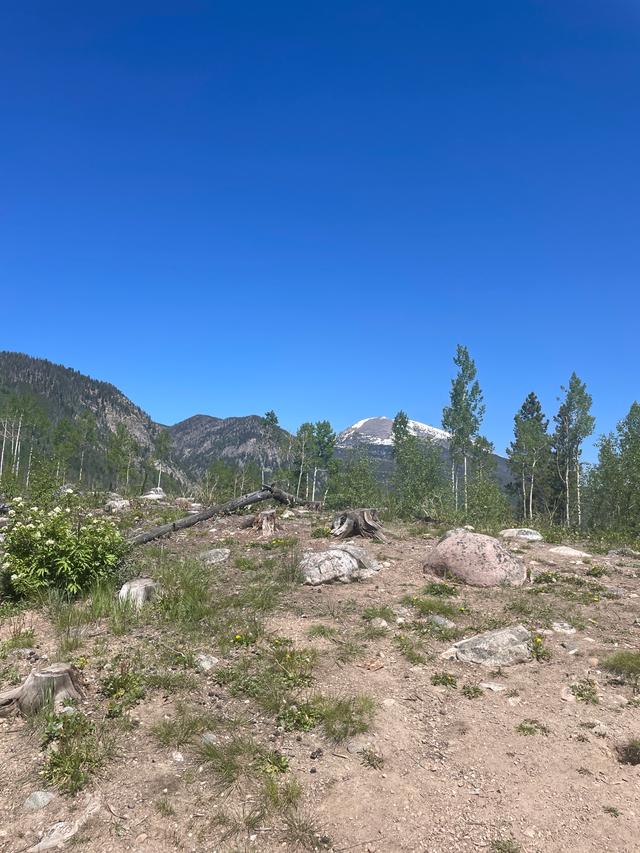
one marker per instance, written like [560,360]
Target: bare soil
[456,773]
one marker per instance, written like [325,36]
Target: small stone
[600,730]
[491,685]
[38,800]
[210,738]
[567,695]
[379,623]
[563,628]
[178,757]
[205,663]
[216,556]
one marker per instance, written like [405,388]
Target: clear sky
[228,207]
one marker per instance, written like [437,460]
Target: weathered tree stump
[358,522]
[138,591]
[58,683]
[266,522]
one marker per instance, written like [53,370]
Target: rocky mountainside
[200,439]
[44,395]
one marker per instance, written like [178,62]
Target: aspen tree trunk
[566,481]
[465,483]
[17,454]
[313,490]
[533,470]
[159,474]
[578,502]
[524,496]
[29,464]
[81,466]
[128,469]
[301,470]
[4,443]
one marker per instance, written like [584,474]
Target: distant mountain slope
[200,439]
[46,394]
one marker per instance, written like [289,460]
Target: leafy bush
[59,548]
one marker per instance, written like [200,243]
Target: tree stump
[138,591]
[266,522]
[358,522]
[58,683]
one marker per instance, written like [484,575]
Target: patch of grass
[385,613]
[626,665]
[169,681]
[505,845]
[279,543]
[325,631]
[21,639]
[439,589]
[586,690]
[124,688]
[612,810]
[184,726]
[371,758]
[274,762]
[270,673]
[321,532]
[348,650]
[81,749]
[532,726]
[164,807]
[409,649]
[428,605]
[472,691]
[342,718]
[300,716]
[232,759]
[444,679]
[302,832]
[629,752]
[596,571]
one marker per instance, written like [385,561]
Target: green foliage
[352,483]
[472,691]
[538,649]
[301,717]
[344,718]
[124,688]
[626,665]
[427,606]
[409,649]
[444,679]
[60,548]
[532,726]
[81,748]
[586,690]
[629,752]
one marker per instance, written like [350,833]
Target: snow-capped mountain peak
[378,431]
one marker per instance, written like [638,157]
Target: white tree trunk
[578,501]
[465,484]
[4,443]
[313,489]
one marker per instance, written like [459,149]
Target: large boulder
[526,534]
[117,505]
[504,647]
[475,559]
[343,563]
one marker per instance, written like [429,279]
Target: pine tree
[462,418]
[529,451]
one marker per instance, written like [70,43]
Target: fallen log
[358,522]
[264,494]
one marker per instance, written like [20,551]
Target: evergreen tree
[462,418]
[529,451]
[418,482]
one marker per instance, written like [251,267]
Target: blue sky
[227,208]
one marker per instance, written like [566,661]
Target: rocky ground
[417,751]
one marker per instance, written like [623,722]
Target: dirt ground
[456,773]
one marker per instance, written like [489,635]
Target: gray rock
[155,494]
[526,534]
[563,628]
[476,559]
[210,738]
[343,563]
[206,663]
[440,621]
[38,800]
[503,647]
[138,591]
[378,622]
[565,551]
[625,551]
[117,505]
[216,556]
